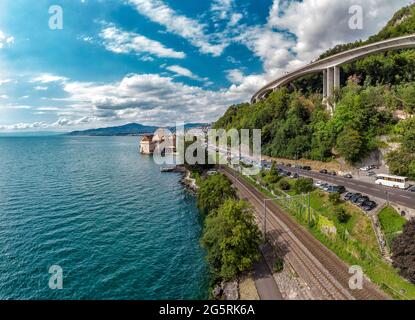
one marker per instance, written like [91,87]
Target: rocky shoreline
[188,181]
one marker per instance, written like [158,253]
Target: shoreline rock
[187,181]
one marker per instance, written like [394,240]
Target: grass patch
[355,241]
[391,223]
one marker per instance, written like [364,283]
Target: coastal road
[401,197]
[324,273]
[265,282]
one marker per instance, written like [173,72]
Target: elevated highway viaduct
[330,66]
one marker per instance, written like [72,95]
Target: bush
[284,185]
[334,198]
[303,185]
[278,265]
[342,215]
[270,179]
[213,191]
[403,248]
[231,238]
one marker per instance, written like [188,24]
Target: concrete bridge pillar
[336,77]
[330,82]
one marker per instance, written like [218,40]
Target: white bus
[392,181]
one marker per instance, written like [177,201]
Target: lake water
[116,225]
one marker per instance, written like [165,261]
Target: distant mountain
[131,129]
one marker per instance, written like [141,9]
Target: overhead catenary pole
[265,219]
[309,208]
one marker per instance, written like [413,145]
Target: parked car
[367,168]
[348,196]
[348,176]
[307,168]
[318,184]
[326,187]
[362,199]
[295,175]
[331,189]
[289,165]
[355,196]
[284,173]
[333,173]
[369,205]
[411,189]
[339,189]
[324,171]
[323,185]
[371,174]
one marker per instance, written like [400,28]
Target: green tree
[272,176]
[213,191]
[403,249]
[350,144]
[231,238]
[341,215]
[334,198]
[303,185]
[284,185]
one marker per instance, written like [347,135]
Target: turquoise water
[105,214]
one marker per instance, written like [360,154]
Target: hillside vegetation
[296,125]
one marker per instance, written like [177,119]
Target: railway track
[326,275]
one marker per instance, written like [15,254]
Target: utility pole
[265,217]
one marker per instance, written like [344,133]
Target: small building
[147,145]
[162,140]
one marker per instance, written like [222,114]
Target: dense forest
[295,124]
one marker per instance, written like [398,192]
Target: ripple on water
[118,227]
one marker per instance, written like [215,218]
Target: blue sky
[158,61]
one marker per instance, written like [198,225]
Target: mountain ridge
[129,129]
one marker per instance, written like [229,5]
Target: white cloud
[150,98]
[235,76]
[310,28]
[222,8]
[119,41]
[5,39]
[320,25]
[235,18]
[24,126]
[187,28]
[48,78]
[16,107]
[185,72]
[41,88]
[4,81]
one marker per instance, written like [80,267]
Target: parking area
[361,200]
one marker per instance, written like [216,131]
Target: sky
[158,62]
